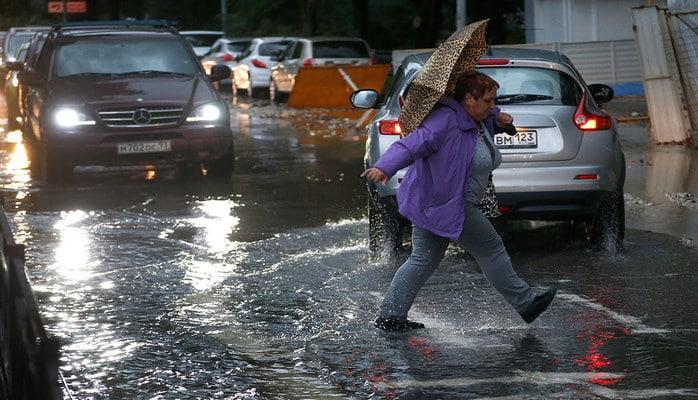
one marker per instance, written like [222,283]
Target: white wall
[550,21]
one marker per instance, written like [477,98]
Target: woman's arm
[425,140]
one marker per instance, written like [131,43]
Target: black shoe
[396,324]
[539,304]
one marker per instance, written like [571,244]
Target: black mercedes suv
[123,93]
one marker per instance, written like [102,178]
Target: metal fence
[29,357]
[683,26]
[611,62]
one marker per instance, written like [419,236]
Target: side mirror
[364,98]
[219,72]
[14,65]
[29,78]
[601,93]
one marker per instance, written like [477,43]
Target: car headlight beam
[207,112]
[69,118]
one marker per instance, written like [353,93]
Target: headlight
[68,118]
[206,112]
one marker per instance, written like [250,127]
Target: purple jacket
[432,194]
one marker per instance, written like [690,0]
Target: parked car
[11,88]
[314,52]
[254,64]
[29,64]
[201,41]
[130,93]
[15,38]
[224,51]
[3,34]
[565,163]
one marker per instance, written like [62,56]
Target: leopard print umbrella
[458,54]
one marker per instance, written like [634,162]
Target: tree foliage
[385,24]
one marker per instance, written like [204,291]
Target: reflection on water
[671,169]
[662,190]
[72,254]
[16,167]
[216,219]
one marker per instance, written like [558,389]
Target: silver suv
[565,163]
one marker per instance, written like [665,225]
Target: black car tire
[53,169]
[384,227]
[12,115]
[275,96]
[221,168]
[606,228]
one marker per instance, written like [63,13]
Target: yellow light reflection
[14,137]
[17,166]
[73,252]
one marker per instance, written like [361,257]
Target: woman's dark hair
[474,82]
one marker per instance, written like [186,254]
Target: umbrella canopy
[458,54]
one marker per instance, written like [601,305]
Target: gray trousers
[483,243]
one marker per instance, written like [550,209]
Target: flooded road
[168,287]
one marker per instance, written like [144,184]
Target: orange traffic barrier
[330,87]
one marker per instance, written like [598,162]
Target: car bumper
[187,144]
[543,191]
[260,78]
[549,205]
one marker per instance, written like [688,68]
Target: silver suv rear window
[272,48]
[340,49]
[562,88]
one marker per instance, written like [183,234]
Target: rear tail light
[493,61]
[259,64]
[587,121]
[389,127]
[587,177]
[504,208]
[228,57]
[308,62]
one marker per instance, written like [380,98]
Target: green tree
[385,24]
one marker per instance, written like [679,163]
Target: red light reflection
[594,360]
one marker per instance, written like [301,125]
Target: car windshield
[340,49]
[534,85]
[106,56]
[201,39]
[237,46]
[272,48]
[16,41]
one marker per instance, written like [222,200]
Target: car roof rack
[153,23]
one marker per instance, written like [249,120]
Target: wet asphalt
[163,286]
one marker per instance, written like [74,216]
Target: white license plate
[522,139]
[159,146]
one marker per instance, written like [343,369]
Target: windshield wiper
[521,98]
[86,74]
[154,72]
